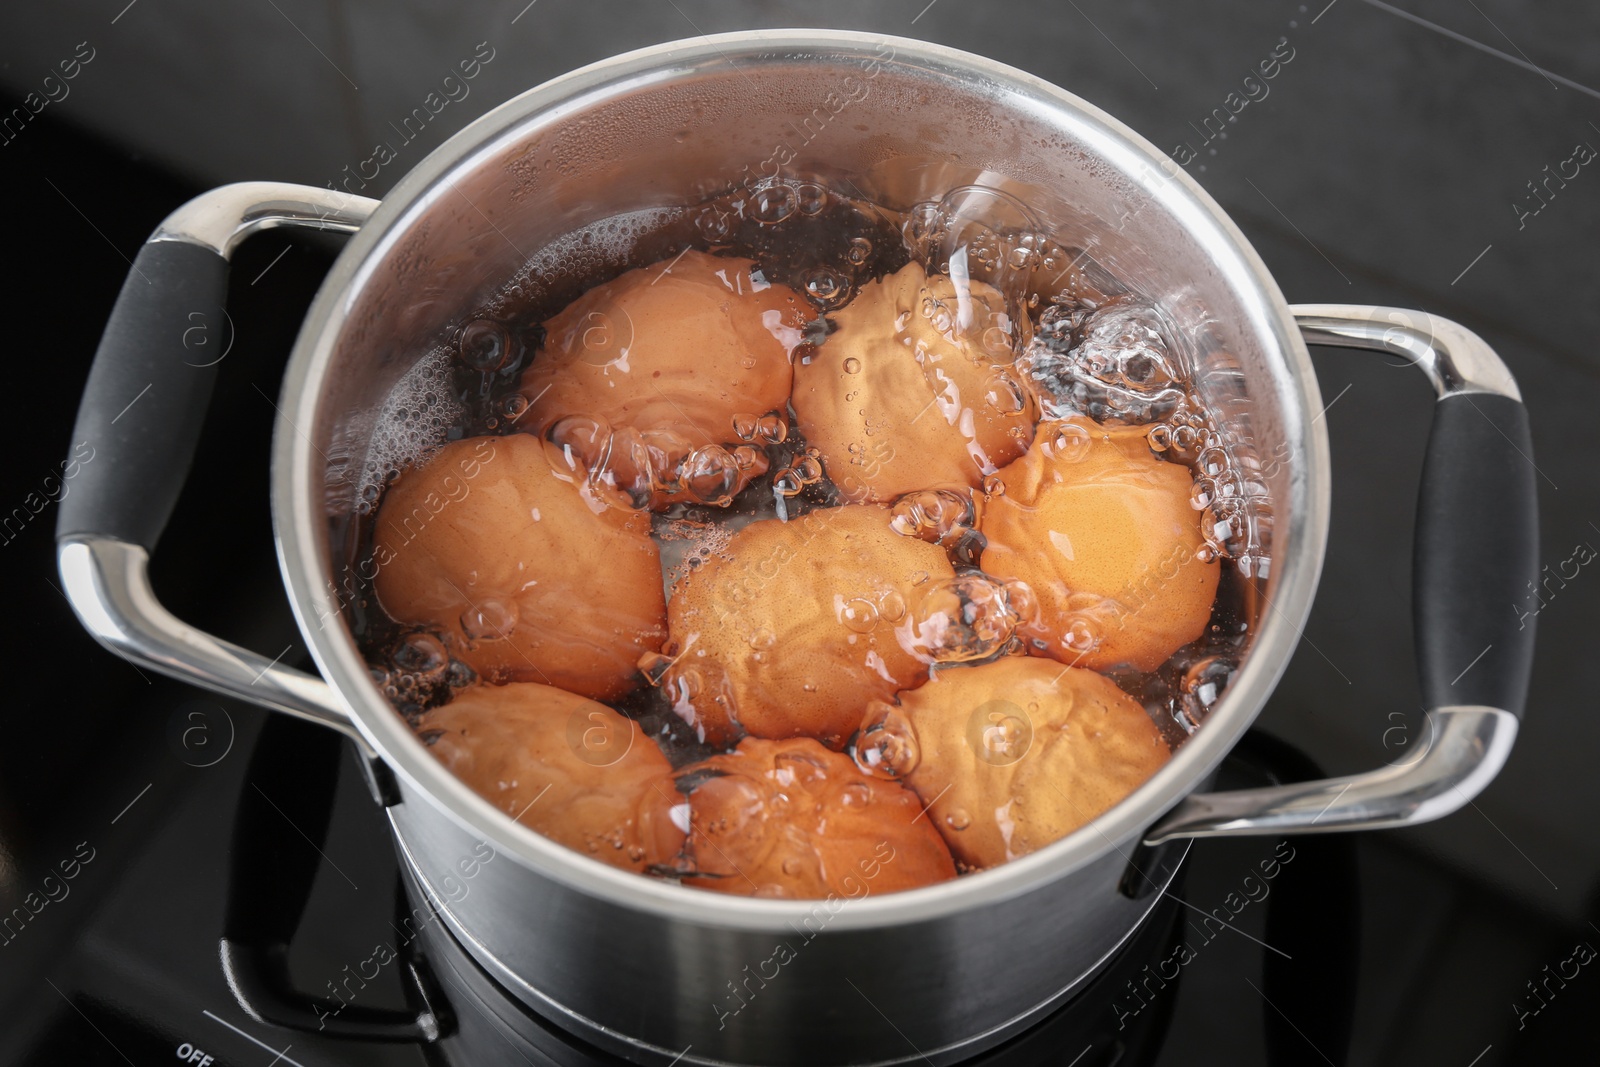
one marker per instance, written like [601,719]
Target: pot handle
[137,429]
[1475,555]
[275,851]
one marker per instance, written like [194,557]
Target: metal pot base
[1159,878]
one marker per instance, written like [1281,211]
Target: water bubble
[687,685]
[458,675]
[887,746]
[710,475]
[856,795]
[1224,527]
[798,768]
[744,427]
[773,204]
[860,614]
[421,653]
[1202,493]
[513,406]
[959,620]
[827,287]
[860,250]
[807,467]
[1021,601]
[1070,442]
[490,619]
[582,444]
[852,365]
[1202,686]
[715,225]
[958,819]
[978,233]
[772,429]
[1112,364]
[940,317]
[937,516]
[1080,636]
[1006,395]
[1159,437]
[787,483]
[924,222]
[484,345]
[999,732]
[811,197]
[892,606]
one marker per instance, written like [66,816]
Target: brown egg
[1103,533]
[791,819]
[668,370]
[1019,752]
[527,577]
[572,769]
[915,389]
[791,628]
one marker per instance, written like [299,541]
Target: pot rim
[299,518]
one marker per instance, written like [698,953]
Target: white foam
[413,421]
[604,246]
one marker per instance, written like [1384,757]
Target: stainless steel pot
[661,973]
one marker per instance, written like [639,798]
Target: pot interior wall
[894,132]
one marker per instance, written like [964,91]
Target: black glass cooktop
[141,979]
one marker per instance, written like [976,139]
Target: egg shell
[792,819]
[791,628]
[493,530]
[568,767]
[1103,533]
[915,388]
[1020,752]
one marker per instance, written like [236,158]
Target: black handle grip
[1476,556]
[289,791]
[148,390]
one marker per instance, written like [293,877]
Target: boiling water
[1088,347]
